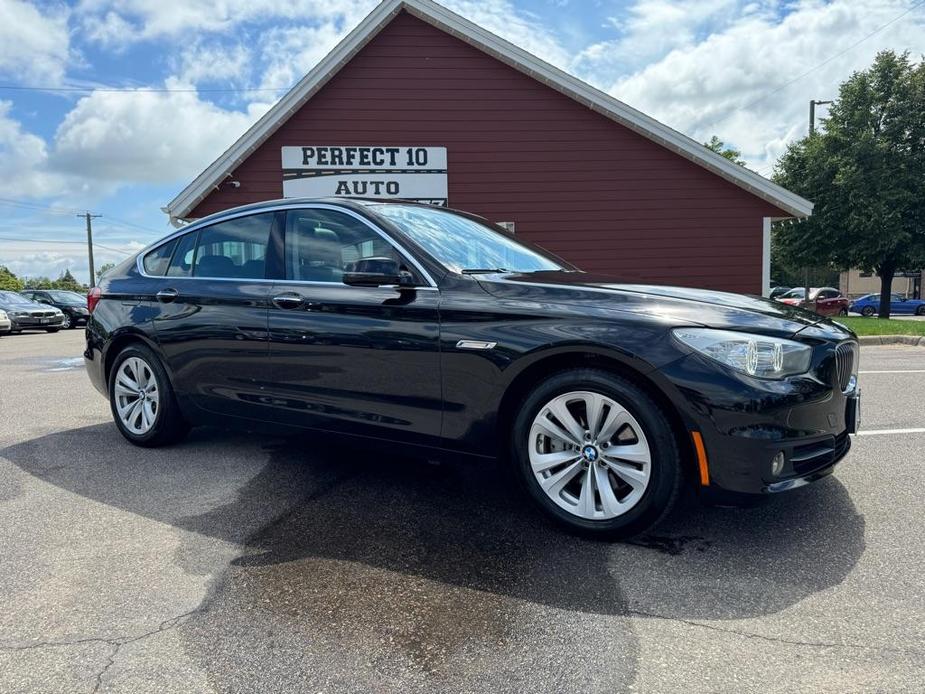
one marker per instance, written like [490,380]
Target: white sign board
[409,173]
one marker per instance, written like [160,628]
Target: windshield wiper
[483,270]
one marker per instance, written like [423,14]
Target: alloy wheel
[137,396]
[66,323]
[590,455]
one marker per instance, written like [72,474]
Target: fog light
[777,464]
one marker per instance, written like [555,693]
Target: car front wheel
[68,323]
[867,311]
[142,400]
[597,454]
[920,311]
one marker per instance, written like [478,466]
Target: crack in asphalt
[115,644]
[775,639]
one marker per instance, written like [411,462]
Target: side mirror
[376,272]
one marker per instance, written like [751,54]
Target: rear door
[360,360]
[211,313]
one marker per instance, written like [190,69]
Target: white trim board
[516,57]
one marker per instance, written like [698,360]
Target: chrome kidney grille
[846,355]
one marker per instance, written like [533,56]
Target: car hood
[681,305]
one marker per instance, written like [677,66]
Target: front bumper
[37,323]
[745,422]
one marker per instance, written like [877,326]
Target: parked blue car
[869,305]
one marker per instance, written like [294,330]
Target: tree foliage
[104,268]
[865,172]
[9,281]
[718,146]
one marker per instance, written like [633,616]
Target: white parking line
[897,371]
[887,432]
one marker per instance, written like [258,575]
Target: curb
[891,340]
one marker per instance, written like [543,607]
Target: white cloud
[288,53]
[212,61]
[51,259]
[33,46]
[155,137]
[721,84]
[23,160]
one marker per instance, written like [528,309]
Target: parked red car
[826,301]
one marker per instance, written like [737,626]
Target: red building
[419,102]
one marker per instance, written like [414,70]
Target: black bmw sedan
[440,332]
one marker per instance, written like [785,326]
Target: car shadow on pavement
[369,552]
[455,523]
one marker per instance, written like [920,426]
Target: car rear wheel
[867,311]
[597,454]
[843,312]
[142,400]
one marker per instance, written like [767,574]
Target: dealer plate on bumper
[853,413]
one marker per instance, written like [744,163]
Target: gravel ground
[232,563]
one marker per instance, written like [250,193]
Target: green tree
[718,146]
[68,282]
[865,172]
[106,267]
[9,281]
[38,283]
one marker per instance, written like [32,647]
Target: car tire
[52,330]
[867,311]
[68,322]
[640,466]
[920,311]
[157,420]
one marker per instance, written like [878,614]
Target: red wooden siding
[573,181]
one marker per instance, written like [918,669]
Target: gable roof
[508,53]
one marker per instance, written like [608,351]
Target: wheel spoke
[555,431]
[553,484]
[633,453]
[125,407]
[566,419]
[594,406]
[135,414]
[126,380]
[586,505]
[544,461]
[635,478]
[125,390]
[609,503]
[616,418]
[147,414]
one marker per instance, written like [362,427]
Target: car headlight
[3,315]
[20,313]
[755,355]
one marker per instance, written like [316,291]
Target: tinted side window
[236,248]
[181,265]
[156,262]
[323,244]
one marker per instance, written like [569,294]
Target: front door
[358,360]
[211,314]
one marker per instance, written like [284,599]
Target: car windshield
[462,244]
[14,299]
[67,297]
[794,294]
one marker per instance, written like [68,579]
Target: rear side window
[236,248]
[156,262]
[181,265]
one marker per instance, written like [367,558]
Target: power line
[830,59]
[50,209]
[142,90]
[82,243]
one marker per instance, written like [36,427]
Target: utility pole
[89,217]
[812,129]
[812,113]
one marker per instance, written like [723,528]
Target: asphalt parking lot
[232,563]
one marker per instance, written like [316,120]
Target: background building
[419,102]
[854,283]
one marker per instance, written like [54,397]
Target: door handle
[165,296]
[289,300]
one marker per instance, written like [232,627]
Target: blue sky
[734,68]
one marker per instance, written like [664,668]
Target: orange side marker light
[701,458]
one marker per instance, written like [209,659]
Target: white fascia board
[516,57]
